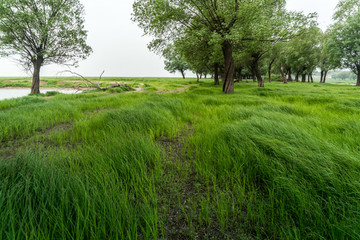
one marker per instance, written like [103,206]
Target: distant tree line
[233,40]
[343,75]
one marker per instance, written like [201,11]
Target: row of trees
[40,32]
[344,40]
[248,38]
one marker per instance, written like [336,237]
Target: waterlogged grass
[274,163]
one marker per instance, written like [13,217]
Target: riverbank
[275,163]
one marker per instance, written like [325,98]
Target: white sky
[119,47]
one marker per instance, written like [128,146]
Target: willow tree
[41,32]
[344,43]
[326,63]
[202,54]
[174,62]
[227,20]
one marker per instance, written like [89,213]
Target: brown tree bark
[269,76]
[216,74]
[358,79]
[321,76]
[183,73]
[312,79]
[303,79]
[35,87]
[228,77]
[240,78]
[297,77]
[269,69]
[283,73]
[325,75]
[258,74]
[197,77]
[289,74]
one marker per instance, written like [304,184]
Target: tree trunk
[258,74]
[358,79]
[228,77]
[240,75]
[253,71]
[283,74]
[322,76]
[182,73]
[269,69]
[297,77]
[290,78]
[269,76]
[197,77]
[308,78]
[35,88]
[216,74]
[312,79]
[303,79]
[325,75]
[254,77]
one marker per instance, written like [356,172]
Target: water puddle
[8,93]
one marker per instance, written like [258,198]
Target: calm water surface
[8,93]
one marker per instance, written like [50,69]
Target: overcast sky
[119,47]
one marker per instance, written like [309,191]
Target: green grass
[71,82]
[276,163]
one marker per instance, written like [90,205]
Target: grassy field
[162,84]
[181,160]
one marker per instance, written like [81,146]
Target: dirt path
[180,89]
[176,188]
[180,193]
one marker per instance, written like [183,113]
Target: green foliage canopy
[303,52]
[174,61]
[345,36]
[51,30]
[226,23]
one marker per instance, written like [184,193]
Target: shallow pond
[8,93]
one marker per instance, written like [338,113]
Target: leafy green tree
[346,8]
[208,55]
[174,62]
[325,63]
[271,27]
[283,63]
[345,37]
[242,64]
[229,21]
[303,53]
[272,57]
[42,32]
